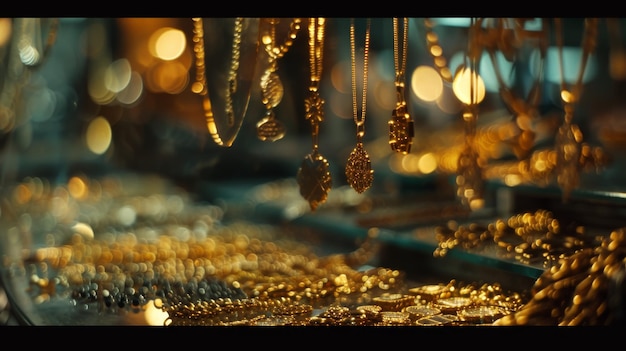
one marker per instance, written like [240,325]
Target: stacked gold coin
[456,303]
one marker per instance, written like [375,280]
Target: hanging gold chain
[359,167]
[400,64]
[506,39]
[234,68]
[469,179]
[359,119]
[315,104]
[572,96]
[316,50]
[269,128]
[401,124]
[313,175]
[568,141]
[199,50]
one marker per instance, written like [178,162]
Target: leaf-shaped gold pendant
[314,179]
[269,128]
[401,130]
[359,170]
[272,88]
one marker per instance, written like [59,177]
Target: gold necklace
[313,175]
[435,50]
[469,173]
[401,124]
[569,138]
[469,177]
[359,170]
[507,39]
[224,134]
[269,128]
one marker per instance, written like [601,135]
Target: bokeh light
[98,136]
[468,86]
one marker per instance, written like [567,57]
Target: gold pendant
[314,179]
[359,169]
[568,150]
[269,128]
[401,126]
[314,110]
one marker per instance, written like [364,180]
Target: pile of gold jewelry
[574,289]
[451,304]
[528,237]
[577,291]
[79,241]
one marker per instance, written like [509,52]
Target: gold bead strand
[313,176]
[226,134]
[232,72]
[435,50]
[359,170]
[401,130]
[269,128]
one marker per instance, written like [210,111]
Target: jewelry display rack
[242,200]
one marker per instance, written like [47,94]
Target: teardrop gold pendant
[314,179]
[359,170]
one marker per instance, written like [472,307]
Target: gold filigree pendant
[314,179]
[359,170]
[269,128]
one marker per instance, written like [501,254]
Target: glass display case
[393,172]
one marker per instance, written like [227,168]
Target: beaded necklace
[225,132]
[269,128]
